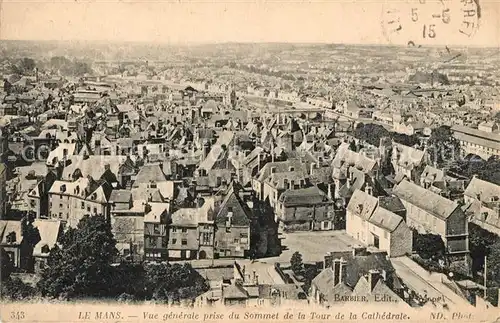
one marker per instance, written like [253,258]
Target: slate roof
[385,219]
[391,203]
[8,226]
[485,191]
[345,156]
[149,173]
[49,233]
[241,213]
[434,174]
[308,196]
[362,204]
[225,139]
[424,199]
[120,196]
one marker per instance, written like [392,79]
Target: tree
[6,265]
[165,282]
[82,266]
[428,245]
[494,262]
[15,289]
[27,65]
[371,133]
[443,147]
[297,264]
[479,242]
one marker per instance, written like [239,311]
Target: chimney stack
[338,271]
[373,277]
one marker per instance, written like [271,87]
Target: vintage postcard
[250,161]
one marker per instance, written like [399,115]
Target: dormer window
[94,196]
[291,169]
[63,188]
[45,249]
[11,237]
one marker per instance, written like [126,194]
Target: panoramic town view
[250,174]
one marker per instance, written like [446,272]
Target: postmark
[427,22]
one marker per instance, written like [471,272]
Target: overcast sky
[335,21]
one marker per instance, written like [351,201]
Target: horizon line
[244,42]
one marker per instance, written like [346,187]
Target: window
[184,230]
[88,208]
[11,237]
[243,235]
[174,229]
[45,249]
[152,185]
[236,240]
[60,205]
[156,228]
[95,210]
[174,241]
[184,242]
[83,206]
[230,209]
[164,242]
[60,215]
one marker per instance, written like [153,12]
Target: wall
[232,241]
[356,227]
[401,241]
[422,220]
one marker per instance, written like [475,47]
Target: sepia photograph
[264,160]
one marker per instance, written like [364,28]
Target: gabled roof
[432,173]
[149,173]
[345,156]
[225,139]
[311,195]
[235,291]
[120,196]
[482,190]
[241,213]
[49,233]
[280,167]
[362,204]
[385,219]
[8,226]
[425,199]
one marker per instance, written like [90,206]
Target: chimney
[330,194]
[369,189]
[313,166]
[338,271]
[373,277]
[358,251]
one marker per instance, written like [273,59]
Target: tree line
[84,264]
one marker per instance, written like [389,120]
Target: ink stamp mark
[416,22]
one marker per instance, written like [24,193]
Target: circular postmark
[416,22]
